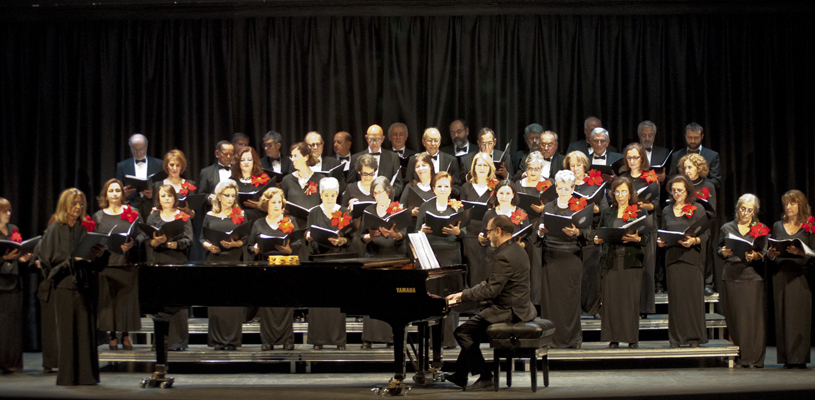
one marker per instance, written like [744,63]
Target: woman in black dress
[360,191]
[792,293]
[743,293]
[587,182]
[224,322]
[248,174]
[447,246]
[622,265]
[478,189]
[301,187]
[167,250]
[174,165]
[684,266]
[562,269]
[275,322]
[118,283]
[639,171]
[423,173]
[11,296]
[327,325]
[695,167]
[504,202]
[74,289]
[534,184]
[381,243]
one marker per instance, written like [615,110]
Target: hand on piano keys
[453,299]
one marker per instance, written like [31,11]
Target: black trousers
[469,336]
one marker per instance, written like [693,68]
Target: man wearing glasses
[387,160]
[552,160]
[486,144]
[585,145]
[460,135]
[431,139]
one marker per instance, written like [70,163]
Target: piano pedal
[158,379]
[394,388]
[429,376]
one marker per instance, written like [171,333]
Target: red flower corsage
[186,187]
[455,204]
[491,185]
[703,193]
[311,188]
[688,210]
[543,185]
[809,226]
[758,229]
[594,178]
[15,236]
[650,177]
[285,225]
[260,180]
[237,216]
[630,212]
[340,219]
[89,224]
[394,208]
[576,204]
[518,216]
[182,215]
[129,214]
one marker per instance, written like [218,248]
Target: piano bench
[518,341]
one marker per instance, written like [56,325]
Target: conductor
[507,288]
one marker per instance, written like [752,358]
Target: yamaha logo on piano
[405,290]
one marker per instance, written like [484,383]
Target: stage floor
[569,379]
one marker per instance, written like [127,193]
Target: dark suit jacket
[465,162]
[408,152]
[208,178]
[388,167]
[557,165]
[583,145]
[507,287]
[710,156]
[446,163]
[128,167]
[451,149]
[285,164]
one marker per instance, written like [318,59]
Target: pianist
[507,288]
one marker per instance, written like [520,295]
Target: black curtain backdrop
[73,91]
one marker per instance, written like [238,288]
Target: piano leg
[159,377]
[422,360]
[437,331]
[395,386]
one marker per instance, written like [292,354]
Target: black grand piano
[391,290]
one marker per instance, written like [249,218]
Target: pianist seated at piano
[446,245]
[275,322]
[225,216]
[507,288]
[381,242]
[326,326]
[168,250]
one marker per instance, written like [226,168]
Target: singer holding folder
[275,322]
[622,265]
[423,172]
[11,296]
[792,293]
[74,289]
[118,286]
[174,165]
[533,184]
[478,188]
[249,176]
[562,268]
[743,293]
[225,216]
[301,187]
[684,265]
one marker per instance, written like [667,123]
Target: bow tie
[547,159]
[460,149]
[345,158]
[376,154]
[271,159]
[603,157]
[693,151]
[221,167]
[436,157]
[648,149]
[400,152]
[141,161]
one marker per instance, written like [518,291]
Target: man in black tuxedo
[141,166]
[398,135]
[239,141]
[552,160]
[694,134]
[273,160]
[460,135]
[532,136]
[589,125]
[647,131]
[431,139]
[600,154]
[387,160]
[507,288]
[315,141]
[211,176]
[486,144]
[342,150]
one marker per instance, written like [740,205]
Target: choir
[610,266]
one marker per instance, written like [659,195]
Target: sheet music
[422,251]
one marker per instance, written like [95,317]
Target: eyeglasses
[433,141]
[490,143]
[374,140]
[621,193]
[746,210]
[378,192]
[564,189]
[367,174]
[489,230]
[534,139]
[633,158]
[314,145]
[534,169]
[678,191]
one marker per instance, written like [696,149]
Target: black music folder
[618,165]
[274,177]
[298,211]
[321,235]
[555,223]
[267,243]
[25,247]
[359,208]
[741,246]
[661,164]
[172,230]
[139,184]
[502,157]
[91,239]
[255,194]
[593,198]
[370,222]
[525,201]
[781,247]
[215,236]
[672,238]
[525,231]
[193,201]
[437,222]
[116,240]
[477,209]
[642,224]
[648,193]
[337,172]
[417,196]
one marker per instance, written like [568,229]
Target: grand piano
[391,290]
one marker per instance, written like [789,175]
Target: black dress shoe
[693,344]
[577,346]
[460,382]
[127,347]
[633,345]
[266,347]
[674,345]
[288,346]
[231,348]
[318,347]
[340,347]
[366,345]
[218,347]
[481,385]
[709,291]
[614,345]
